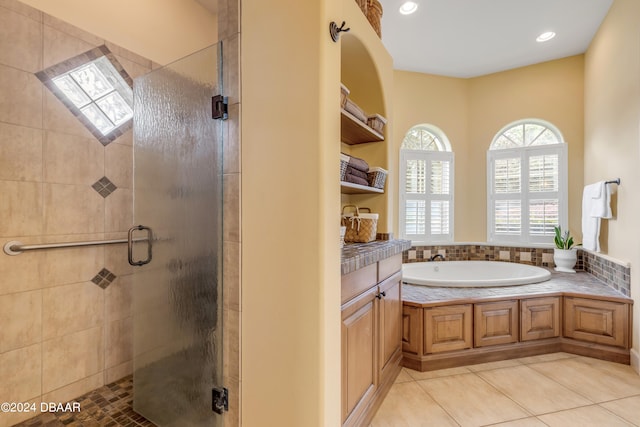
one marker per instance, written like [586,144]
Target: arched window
[526,183]
[426,186]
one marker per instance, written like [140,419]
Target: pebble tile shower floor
[108,406]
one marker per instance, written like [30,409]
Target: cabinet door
[447,328]
[390,321]
[539,318]
[601,322]
[359,359]
[412,330]
[496,323]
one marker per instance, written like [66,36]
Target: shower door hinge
[219,106]
[220,400]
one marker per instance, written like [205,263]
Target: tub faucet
[436,256]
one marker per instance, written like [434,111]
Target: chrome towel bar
[16,248]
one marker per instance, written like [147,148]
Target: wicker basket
[344,161]
[374,15]
[344,94]
[376,122]
[376,177]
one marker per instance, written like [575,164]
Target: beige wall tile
[20,153]
[231,214]
[72,209]
[70,159]
[232,163]
[125,139]
[228,18]
[21,100]
[231,350]
[132,68]
[72,358]
[118,165]
[71,391]
[119,210]
[71,30]
[116,256]
[20,371]
[231,74]
[71,308]
[119,342]
[130,56]
[22,8]
[21,272]
[21,320]
[57,117]
[20,208]
[60,46]
[119,298]
[20,41]
[70,265]
[13,418]
[118,372]
[231,275]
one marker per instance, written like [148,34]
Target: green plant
[562,240]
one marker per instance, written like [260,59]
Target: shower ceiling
[468,38]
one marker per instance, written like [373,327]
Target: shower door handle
[149,245]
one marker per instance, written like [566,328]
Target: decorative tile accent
[358,255]
[104,186]
[104,278]
[615,275]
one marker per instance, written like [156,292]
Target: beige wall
[472,111]
[290,204]
[612,134]
[161,30]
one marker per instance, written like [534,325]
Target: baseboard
[635,360]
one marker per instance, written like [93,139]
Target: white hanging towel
[596,204]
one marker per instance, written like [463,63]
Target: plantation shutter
[525,192]
[426,205]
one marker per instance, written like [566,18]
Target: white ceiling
[468,38]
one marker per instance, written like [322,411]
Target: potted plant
[565,254]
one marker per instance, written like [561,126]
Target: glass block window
[426,186]
[526,183]
[96,89]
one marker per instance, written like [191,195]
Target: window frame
[524,153]
[428,156]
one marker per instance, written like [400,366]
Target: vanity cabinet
[371,337]
[597,321]
[495,323]
[448,328]
[540,318]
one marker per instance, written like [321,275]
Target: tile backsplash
[614,275]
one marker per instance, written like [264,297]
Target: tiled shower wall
[65,314]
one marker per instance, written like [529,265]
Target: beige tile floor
[556,389]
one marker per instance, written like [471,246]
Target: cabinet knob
[381,294]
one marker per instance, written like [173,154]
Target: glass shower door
[178,194]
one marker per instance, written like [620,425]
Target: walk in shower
[178,195]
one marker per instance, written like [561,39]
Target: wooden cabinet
[412,330]
[447,328]
[371,337]
[539,318]
[359,349]
[596,321]
[390,296]
[495,323]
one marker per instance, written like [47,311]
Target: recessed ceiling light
[545,37]
[408,7]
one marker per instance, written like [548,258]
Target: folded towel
[596,204]
[356,172]
[355,179]
[359,164]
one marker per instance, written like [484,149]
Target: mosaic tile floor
[108,406]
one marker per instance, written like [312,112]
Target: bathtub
[472,274]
